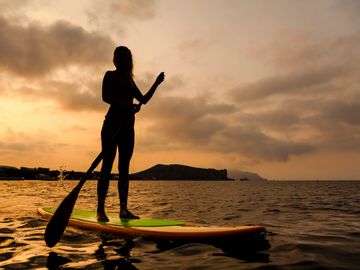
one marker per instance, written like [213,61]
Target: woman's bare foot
[126,214]
[102,217]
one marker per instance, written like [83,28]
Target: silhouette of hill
[179,172]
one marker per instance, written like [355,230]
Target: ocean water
[311,225]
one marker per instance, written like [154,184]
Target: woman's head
[123,60]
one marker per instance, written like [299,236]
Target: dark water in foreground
[312,225]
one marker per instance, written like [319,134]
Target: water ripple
[311,226]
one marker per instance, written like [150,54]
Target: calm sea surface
[312,225]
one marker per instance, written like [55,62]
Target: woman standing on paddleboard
[119,90]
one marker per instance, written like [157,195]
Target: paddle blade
[58,222]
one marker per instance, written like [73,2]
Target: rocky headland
[180,172]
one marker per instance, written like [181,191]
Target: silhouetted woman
[119,90]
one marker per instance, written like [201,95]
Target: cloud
[70,96]
[181,108]
[195,44]
[140,9]
[115,14]
[303,53]
[172,82]
[184,121]
[349,9]
[33,147]
[36,50]
[290,84]
[337,124]
[194,50]
[12,5]
[17,142]
[48,54]
[181,123]
[253,143]
[310,104]
[78,95]
[346,112]
[14,146]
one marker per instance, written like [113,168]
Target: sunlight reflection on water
[312,224]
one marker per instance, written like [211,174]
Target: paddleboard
[153,228]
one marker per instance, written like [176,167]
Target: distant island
[157,172]
[180,172]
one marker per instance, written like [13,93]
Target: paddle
[57,224]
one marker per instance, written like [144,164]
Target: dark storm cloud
[35,50]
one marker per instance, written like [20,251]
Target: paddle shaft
[58,222]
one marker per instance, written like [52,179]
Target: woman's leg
[109,153]
[126,148]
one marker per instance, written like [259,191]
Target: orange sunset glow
[271,87]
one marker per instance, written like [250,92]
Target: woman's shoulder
[109,73]
[118,78]
[117,74]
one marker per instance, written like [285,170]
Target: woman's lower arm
[150,93]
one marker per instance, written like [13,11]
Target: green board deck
[90,216]
[153,228]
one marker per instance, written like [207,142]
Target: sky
[271,87]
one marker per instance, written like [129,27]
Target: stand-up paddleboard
[152,228]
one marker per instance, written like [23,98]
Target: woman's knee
[123,169]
